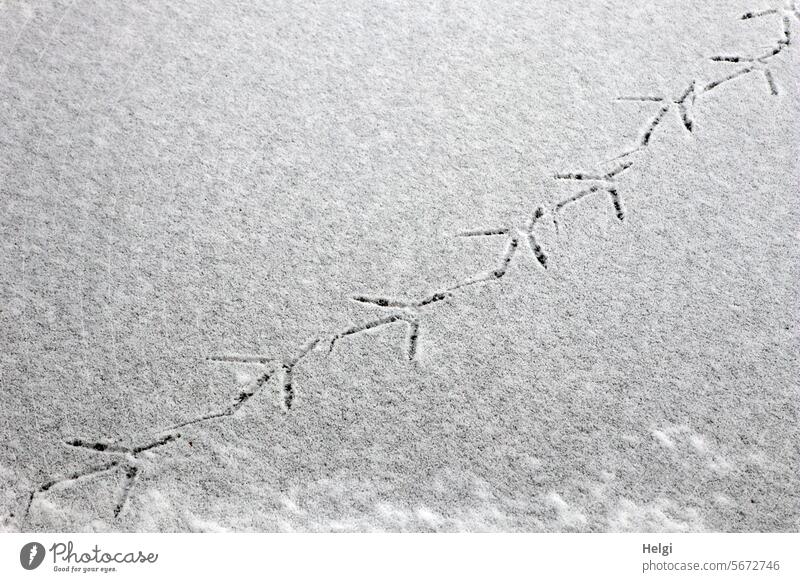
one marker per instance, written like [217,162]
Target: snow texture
[355,266]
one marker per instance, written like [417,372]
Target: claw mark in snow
[388,302]
[760,62]
[127,458]
[607,184]
[734,75]
[682,103]
[513,238]
[285,366]
[131,473]
[405,317]
[76,476]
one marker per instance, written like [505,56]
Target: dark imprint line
[578,196]
[509,251]
[683,110]
[643,98]
[615,200]
[773,87]
[253,388]
[505,261]
[101,447]
[366,326]
[749,15]
[413,337]
[732,76]
[685,95]
[381,321]
[614,172]
[287,387]
[304,350]
[490,232]
[534,246]
[379,301]
[782,43]
[435,298]
[203,418]
[612,191]
[537,250]
[47,485]
[648,133]
[157,443]
[578,176]
[97,446]
[131,475]
[243,359]
[388,302]
[288,390]
[724,59]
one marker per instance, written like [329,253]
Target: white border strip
[380,557]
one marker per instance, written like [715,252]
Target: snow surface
[244,285]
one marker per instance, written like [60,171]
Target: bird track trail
[761,62]
[127,460]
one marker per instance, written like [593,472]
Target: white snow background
[343,265]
